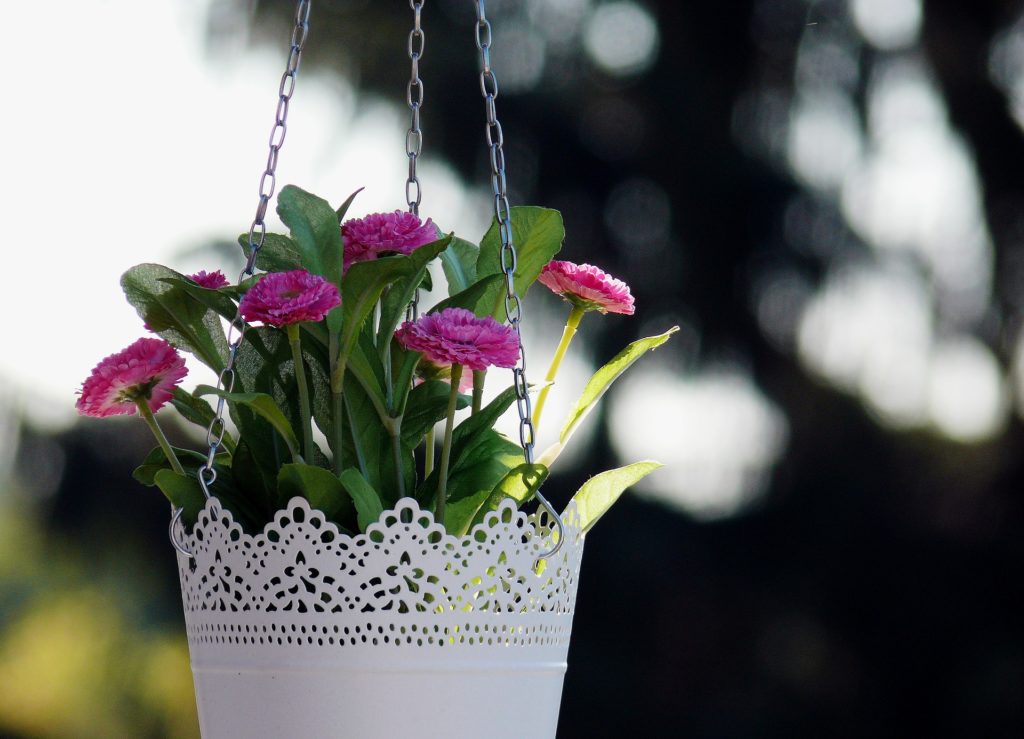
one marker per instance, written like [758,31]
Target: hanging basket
[404,631]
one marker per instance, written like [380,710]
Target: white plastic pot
[403,632]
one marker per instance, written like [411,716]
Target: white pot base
[378,705]
[404,632]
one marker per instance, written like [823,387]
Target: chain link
[503,215]
[414,136]
[509,263]
[257,233]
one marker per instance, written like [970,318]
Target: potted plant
[342,578]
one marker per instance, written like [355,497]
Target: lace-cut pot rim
[537,529]
[403,582]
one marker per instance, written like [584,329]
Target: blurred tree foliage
[872,593]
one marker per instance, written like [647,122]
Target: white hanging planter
[403,632]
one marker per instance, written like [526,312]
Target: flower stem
[357,445]
[446,447]
[428,456]
[395,429]
[478,389]
[305,417]
[575,315]
[337,412]
[338,409]
[165,445]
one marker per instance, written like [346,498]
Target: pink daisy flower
[283,298]
[209,280]
[587,287]
[458,336]
[367,238]
[147,370]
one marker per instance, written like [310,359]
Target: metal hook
[177,543]
[558,521]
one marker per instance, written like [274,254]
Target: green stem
[428,453]
[478,390]
[389,384]
[338,409]
[357,444]
[305,417]
[165,445]
[337,413]
[446,447]
[395,429]
[575,315]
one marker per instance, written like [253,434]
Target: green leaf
[458,514]
[317,332]
[361,288]
[479,457]
[478,470]
[198,411]
[238,500]
[599,492]
[215,300]
[225,488]
[278,253]
[343,208]
[264,364]
[479,297]
[235,292]
[320,487]
[427,405]
[365,498]
[313,224]
[403,364]
[175,316]
[598,386]
[368,432]
[184,492]
[256,483]
[367,370]
[400,293]
[485,418]
[537,234]
[520,484]
[259,365]
[264,405]
[459,264]
[365,438]
[156,460]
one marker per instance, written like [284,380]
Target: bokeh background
[826,195]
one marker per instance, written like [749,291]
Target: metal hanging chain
[257,233]
[414,136]
[414,98]
[503,214]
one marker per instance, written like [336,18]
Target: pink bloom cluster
[587,287]
[147,370]
[367,238]
[209,280]
[283,298]
[458,336]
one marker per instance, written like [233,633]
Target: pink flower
[209,280]
[147,370]
[587,287]
[367,238]
[457,336]
[282,298]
